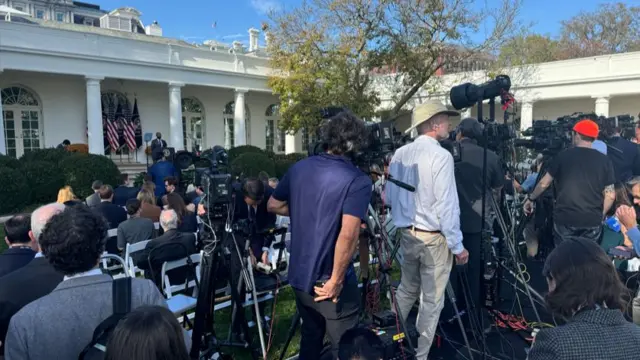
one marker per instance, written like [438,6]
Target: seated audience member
[187,220]
[157,251]
[147,333]
[21,249]
[273,182]
[612,238]
[62,323]
[113,213]
[94,199]
[585,290]
[32,281]
[360,344]
[172,186]
[148,207]
[65,194]
[124,192]
[136,228]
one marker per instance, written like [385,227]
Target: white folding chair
[122,264]
[156,225]
[180,303]
[131,249]
[112,233]
[105,261]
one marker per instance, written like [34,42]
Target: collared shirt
[434,206]
[319,190]
[92,272]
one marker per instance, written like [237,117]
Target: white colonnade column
[95,135]
[239,121]
[290,142]
[602,105]
[3,147]
[176,137]
[526,115]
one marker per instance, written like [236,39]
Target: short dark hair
[17,228]
[344,133]
[253,188]
[360,344]
[96,185]
[133,205]
[586,138]
[66,142]
[105,192]
[74,239]
[124,178]
[171,180]
[584,278]
[147,333]
[263,176]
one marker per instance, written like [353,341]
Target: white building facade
[55,81]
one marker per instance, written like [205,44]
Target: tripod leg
[292,331]
[259,319]
[452,298]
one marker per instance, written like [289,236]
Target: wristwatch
[530,199]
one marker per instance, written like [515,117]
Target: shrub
[250,164]
[9,162]
[80,170]
[282,166]
[235,152]
[291,157]
[51,155]
[14,192]
[138,180]
[44,179]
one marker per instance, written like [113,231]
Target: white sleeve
[447,203]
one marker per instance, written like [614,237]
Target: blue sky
[192,20]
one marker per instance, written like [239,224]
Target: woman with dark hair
[147,333]
[187,219]
[585,290]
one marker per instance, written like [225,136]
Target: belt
[415,229]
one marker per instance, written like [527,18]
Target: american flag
[129,128]
[112,130]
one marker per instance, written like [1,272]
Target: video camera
[624,124]
[382,137]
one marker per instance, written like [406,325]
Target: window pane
[11,134]
[35,143]
[11,143]
[9,124]
[12,152]
[8,115]
[59,17]
[34,115]
[26,143]
[25,115]
[40,14]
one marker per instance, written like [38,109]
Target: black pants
[471,275]
[319,318]
[563,232]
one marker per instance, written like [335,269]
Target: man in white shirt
[428,220]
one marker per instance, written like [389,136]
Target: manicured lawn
[3,244]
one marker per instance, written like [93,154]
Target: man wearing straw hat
[428,219]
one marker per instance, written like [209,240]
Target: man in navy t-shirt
[326,197]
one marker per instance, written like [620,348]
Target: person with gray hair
[273,182]
[428,219]
[31,282]
[171,245]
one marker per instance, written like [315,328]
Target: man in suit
[21,249]
[62,323]
[123,192]
[171,245]
[94,199]
[33,281]
[159,172]
[113,213]
[157,147]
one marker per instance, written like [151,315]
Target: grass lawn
[3,244]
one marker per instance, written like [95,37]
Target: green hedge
[9,162]
[44,178]
[14,192]
[235,152]
[80,170]
[251,164]
[51,155]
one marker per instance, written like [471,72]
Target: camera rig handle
[399,183]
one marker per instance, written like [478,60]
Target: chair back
[190,262]
[130,250]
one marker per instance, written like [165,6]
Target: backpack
[121,294]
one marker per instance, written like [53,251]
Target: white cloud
[233,36]
[264,7]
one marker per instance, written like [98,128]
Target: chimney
[253,39]
[154,29]
[267,38]
[237,47]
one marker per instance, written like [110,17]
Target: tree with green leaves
[351,52]
[529,49]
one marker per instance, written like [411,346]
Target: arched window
[116,112]
[275,138]
[229,137]
[307,139]
[21,112]
[193,124]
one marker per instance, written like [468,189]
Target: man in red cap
[584,187]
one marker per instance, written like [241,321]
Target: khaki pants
[425,273]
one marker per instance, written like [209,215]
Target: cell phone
[625,254]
